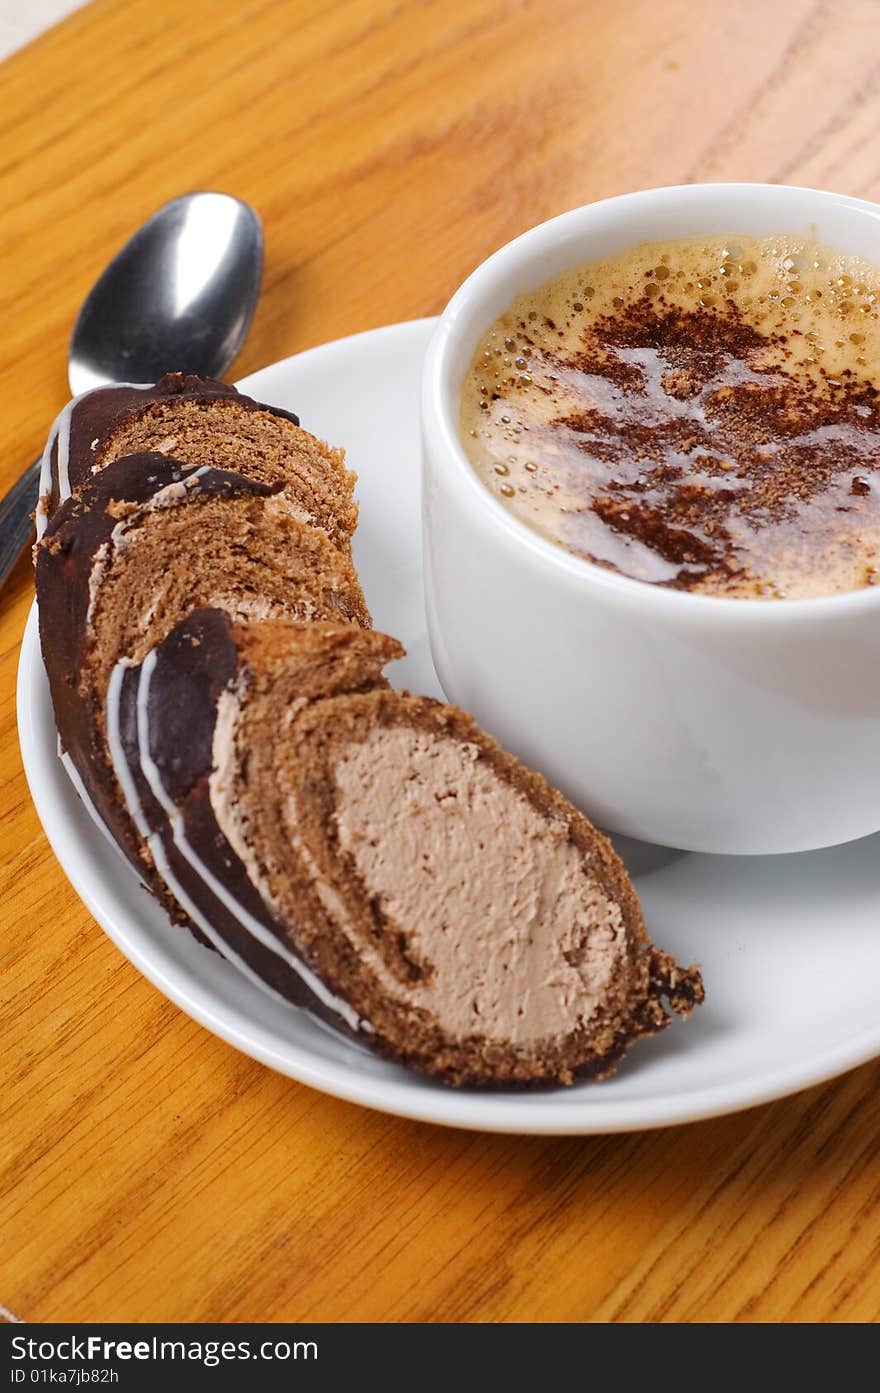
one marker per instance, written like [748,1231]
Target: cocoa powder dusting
[687,446]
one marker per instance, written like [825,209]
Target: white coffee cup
[717,725]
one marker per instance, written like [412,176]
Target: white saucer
[790,945]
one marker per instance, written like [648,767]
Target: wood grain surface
[148,1170]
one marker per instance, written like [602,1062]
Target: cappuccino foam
[701,414]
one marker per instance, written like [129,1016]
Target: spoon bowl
[178,297]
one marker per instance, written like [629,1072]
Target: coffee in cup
[702,414]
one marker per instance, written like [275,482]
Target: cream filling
[96,579]
[497,905]
[518,942]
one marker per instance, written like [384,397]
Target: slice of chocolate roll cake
[136,548]
[377,857]
[199,421]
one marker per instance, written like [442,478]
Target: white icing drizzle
[117,751]
[151,773]
[61,432]
[63,454]
[85,798]
[60,427]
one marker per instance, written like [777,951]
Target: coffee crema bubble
[702,414]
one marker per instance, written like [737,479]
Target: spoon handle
[16,522]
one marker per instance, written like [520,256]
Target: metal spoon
[178,297]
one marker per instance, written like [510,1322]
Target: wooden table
[149,1171]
